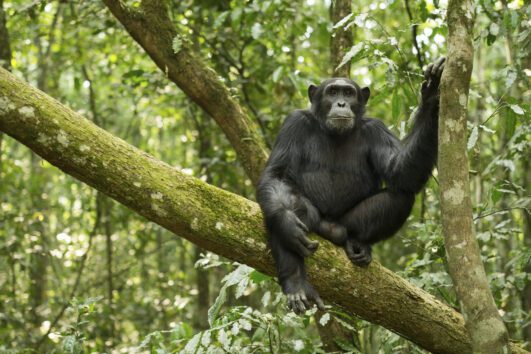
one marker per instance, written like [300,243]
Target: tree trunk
[216,220]
[341,39]
[483,322]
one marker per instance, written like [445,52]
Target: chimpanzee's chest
[335,176]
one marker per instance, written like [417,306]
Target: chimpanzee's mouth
[340,117]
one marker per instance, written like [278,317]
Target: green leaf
[278,73]
[395,105]
[343,21]
[177,44]
[423,11]
[324,319]
[510,77]
[77,83]
[193,344]
[240,287]
[257,30]
[257,277]
[490,39]
[239,277]
[494,29]
[133,73]
[473,138]
[213,311]
[354,53]
[221,19]
[496,194]
[239,274]
[510,121]
[517,109]
[70,345]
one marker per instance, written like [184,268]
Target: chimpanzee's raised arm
[406,166]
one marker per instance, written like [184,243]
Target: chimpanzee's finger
[428,71]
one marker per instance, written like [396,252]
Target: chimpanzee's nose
[341,104]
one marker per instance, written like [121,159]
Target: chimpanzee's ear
[365,94]
[311,91]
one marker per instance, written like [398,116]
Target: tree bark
[153,30]
[483,322]
[341,39]
[219,221]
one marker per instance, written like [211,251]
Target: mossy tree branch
[151,27]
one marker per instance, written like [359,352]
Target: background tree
[482,319]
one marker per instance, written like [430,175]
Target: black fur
[325,175]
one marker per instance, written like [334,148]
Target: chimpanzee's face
[337,103]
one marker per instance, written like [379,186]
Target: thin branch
[414,27]
[499,211]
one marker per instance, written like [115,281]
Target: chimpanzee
[326,174]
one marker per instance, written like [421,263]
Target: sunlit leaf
[193,344]
[324,319]
[343,21]
[354,53]
[256,30]
[395,105]
[473,138]
[221,19]
[517,109]
[177,44]
[213,311]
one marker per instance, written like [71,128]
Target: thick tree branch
[153,30]
[214,219]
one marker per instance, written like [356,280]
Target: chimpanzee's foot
[358,253]
[332,231]
[301,295]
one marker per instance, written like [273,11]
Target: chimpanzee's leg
[374,219]
[292,277]
[310,216]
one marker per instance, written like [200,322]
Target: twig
[414,35]
[499,211]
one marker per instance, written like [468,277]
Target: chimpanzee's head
[337,104]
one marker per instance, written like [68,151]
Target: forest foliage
[82,273]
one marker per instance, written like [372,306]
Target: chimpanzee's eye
[349,92]
[332,92]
